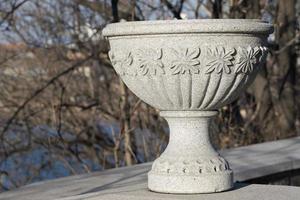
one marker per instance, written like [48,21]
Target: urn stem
[189,133]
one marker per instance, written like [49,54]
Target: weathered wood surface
[131,182]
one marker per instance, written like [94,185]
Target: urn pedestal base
[189,164]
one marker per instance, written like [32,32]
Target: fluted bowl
[188,64]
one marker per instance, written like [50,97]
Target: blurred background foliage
[64,111]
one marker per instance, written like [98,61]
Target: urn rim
[222,26]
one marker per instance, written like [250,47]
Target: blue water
[39,162]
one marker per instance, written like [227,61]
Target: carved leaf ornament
[217,59]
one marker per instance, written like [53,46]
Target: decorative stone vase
[188,69]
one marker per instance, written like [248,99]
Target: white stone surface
[240,192]
[264,159]
[188,69]
[248,162]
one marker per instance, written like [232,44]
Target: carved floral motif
[247,59]
[264,53]
[186,61]
[122,64]
[150,61]
[220,60]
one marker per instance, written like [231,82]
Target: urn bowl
[188,64]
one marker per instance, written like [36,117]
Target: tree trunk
[284,97]
[125,123]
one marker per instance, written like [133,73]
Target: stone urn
[188,69]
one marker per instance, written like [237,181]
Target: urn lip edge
[238,26]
